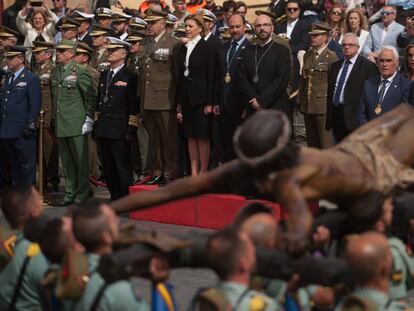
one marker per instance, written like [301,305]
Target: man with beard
[265,70]
[120,23]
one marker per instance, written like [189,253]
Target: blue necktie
[341,83]
[232,50]
[382,90]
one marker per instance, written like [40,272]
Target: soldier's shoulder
[259,301]
[331,54]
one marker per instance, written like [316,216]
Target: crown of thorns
[280,143]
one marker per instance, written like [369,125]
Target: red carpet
[211,211]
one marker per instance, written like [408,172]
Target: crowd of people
[147,95]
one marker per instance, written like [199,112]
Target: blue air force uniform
[20,99]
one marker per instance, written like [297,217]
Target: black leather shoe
[154,180]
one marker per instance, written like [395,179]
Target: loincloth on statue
[370,148]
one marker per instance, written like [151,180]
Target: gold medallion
[227,78]
[378,109]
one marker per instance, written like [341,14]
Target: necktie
[341,83]
[11,79]
[110,76]
[382,90]
[232,50]
[150,46]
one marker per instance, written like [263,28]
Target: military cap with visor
[116,43]
[319,28]
[66,45]
[69,23]
[155,15]
[82,47]
[6,32]
[207,15]
[103,12]
[98,30]
[83,17]
[15,51]
[135,36]
[120,17]
[137,22]
[39,46]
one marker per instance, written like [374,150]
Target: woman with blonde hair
[356,23]
[41,25]
[194,66]
[335,19]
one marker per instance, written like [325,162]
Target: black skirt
[195,123]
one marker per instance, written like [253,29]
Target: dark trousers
[338,123]
[117,165]
[21,153]
[229,123]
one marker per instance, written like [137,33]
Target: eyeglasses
[348,45]
[386,13]
[292,9]
[337,13]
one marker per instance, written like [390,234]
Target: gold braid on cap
[281,142]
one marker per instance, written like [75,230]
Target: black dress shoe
[154,181]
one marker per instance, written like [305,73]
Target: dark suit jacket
[198,87]
[88,40]
[214,43]
[122,102]
[397,93]
[230,97]
[362,70]
[274,74]
[19,104]
[278,9]
[299,38]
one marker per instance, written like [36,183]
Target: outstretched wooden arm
[217,181]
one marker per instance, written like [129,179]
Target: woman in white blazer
[356,23]
[40,27]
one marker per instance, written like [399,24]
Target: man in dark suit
[117,119]
[264,71]
[85,21]
[296,31]
[229,97]
[384,92]
[20,101]
[345,82]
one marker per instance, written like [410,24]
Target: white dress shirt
[390,79]
[290,27]
[190,47]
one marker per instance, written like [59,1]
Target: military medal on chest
[378,109]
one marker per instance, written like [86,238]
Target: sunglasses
[337,13]
[386,13]
[292,9]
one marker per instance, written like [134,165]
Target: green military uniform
[121,295]
[313,89]
[51,152]
[242,298]
[30,296]
[402,269]
[366,299]
[74,100]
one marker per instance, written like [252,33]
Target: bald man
[369,256]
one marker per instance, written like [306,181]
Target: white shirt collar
[194,41]
[117,69]
[156,39]
[390,79]
[206,37]
[353,59]
[293,23]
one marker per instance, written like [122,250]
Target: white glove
[87,126]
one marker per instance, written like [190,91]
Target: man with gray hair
[384,92]
[346,79]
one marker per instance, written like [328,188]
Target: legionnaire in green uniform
[82,57]
[99,42]
[43,53]
[8,37]
[313,87]
[74,102]
[69,29]
[18,206]
[98,241]
[369,256]
[232,255]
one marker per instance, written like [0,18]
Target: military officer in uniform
[85,21]
[69,29]
[8,37]
[99,42]
[20,101]
[157,99]
[82,57]
[120,22]
[137,24]
[117,119]
[104,17]
[74,100]
[313,86]
[43,53]
[134,63]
